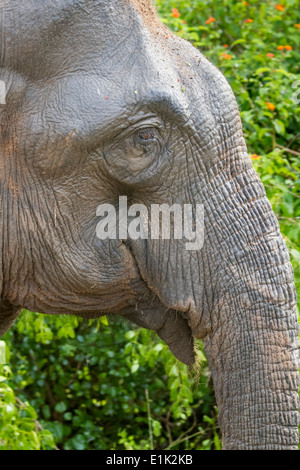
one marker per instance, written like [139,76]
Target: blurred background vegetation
[70,384]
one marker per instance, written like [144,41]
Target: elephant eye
[145,136]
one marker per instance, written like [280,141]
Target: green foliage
[121,388]
[19,427]
[116,388]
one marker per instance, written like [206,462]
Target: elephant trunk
[252,357]
[252,345]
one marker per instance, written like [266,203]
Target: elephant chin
[170,325]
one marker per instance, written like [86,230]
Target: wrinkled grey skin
[84,77]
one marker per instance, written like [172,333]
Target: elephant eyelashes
[145,137]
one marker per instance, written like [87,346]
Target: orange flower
[297,25]
[184,22]
[270,106]
[175,13]
[225,45]
[279,7]
[288,48]
[270,55]
[211,19]
[254,156]
[248,21]
[247,4]
[226,56]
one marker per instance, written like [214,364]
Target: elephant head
[103,102]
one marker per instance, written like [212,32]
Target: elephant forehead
[93,107]
[42,39]
[95,66]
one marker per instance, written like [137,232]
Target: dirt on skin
[148,12]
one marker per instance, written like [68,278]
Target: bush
[116,388]
[19,428]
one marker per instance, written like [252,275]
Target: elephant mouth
[147,310]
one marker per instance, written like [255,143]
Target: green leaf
[279,126]
[238,41]
[296,254]
[60,407]
[2,352]
[262,70]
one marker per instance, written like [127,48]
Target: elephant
[103,102]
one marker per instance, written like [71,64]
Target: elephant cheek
[176,276]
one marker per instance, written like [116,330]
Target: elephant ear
[8,312]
